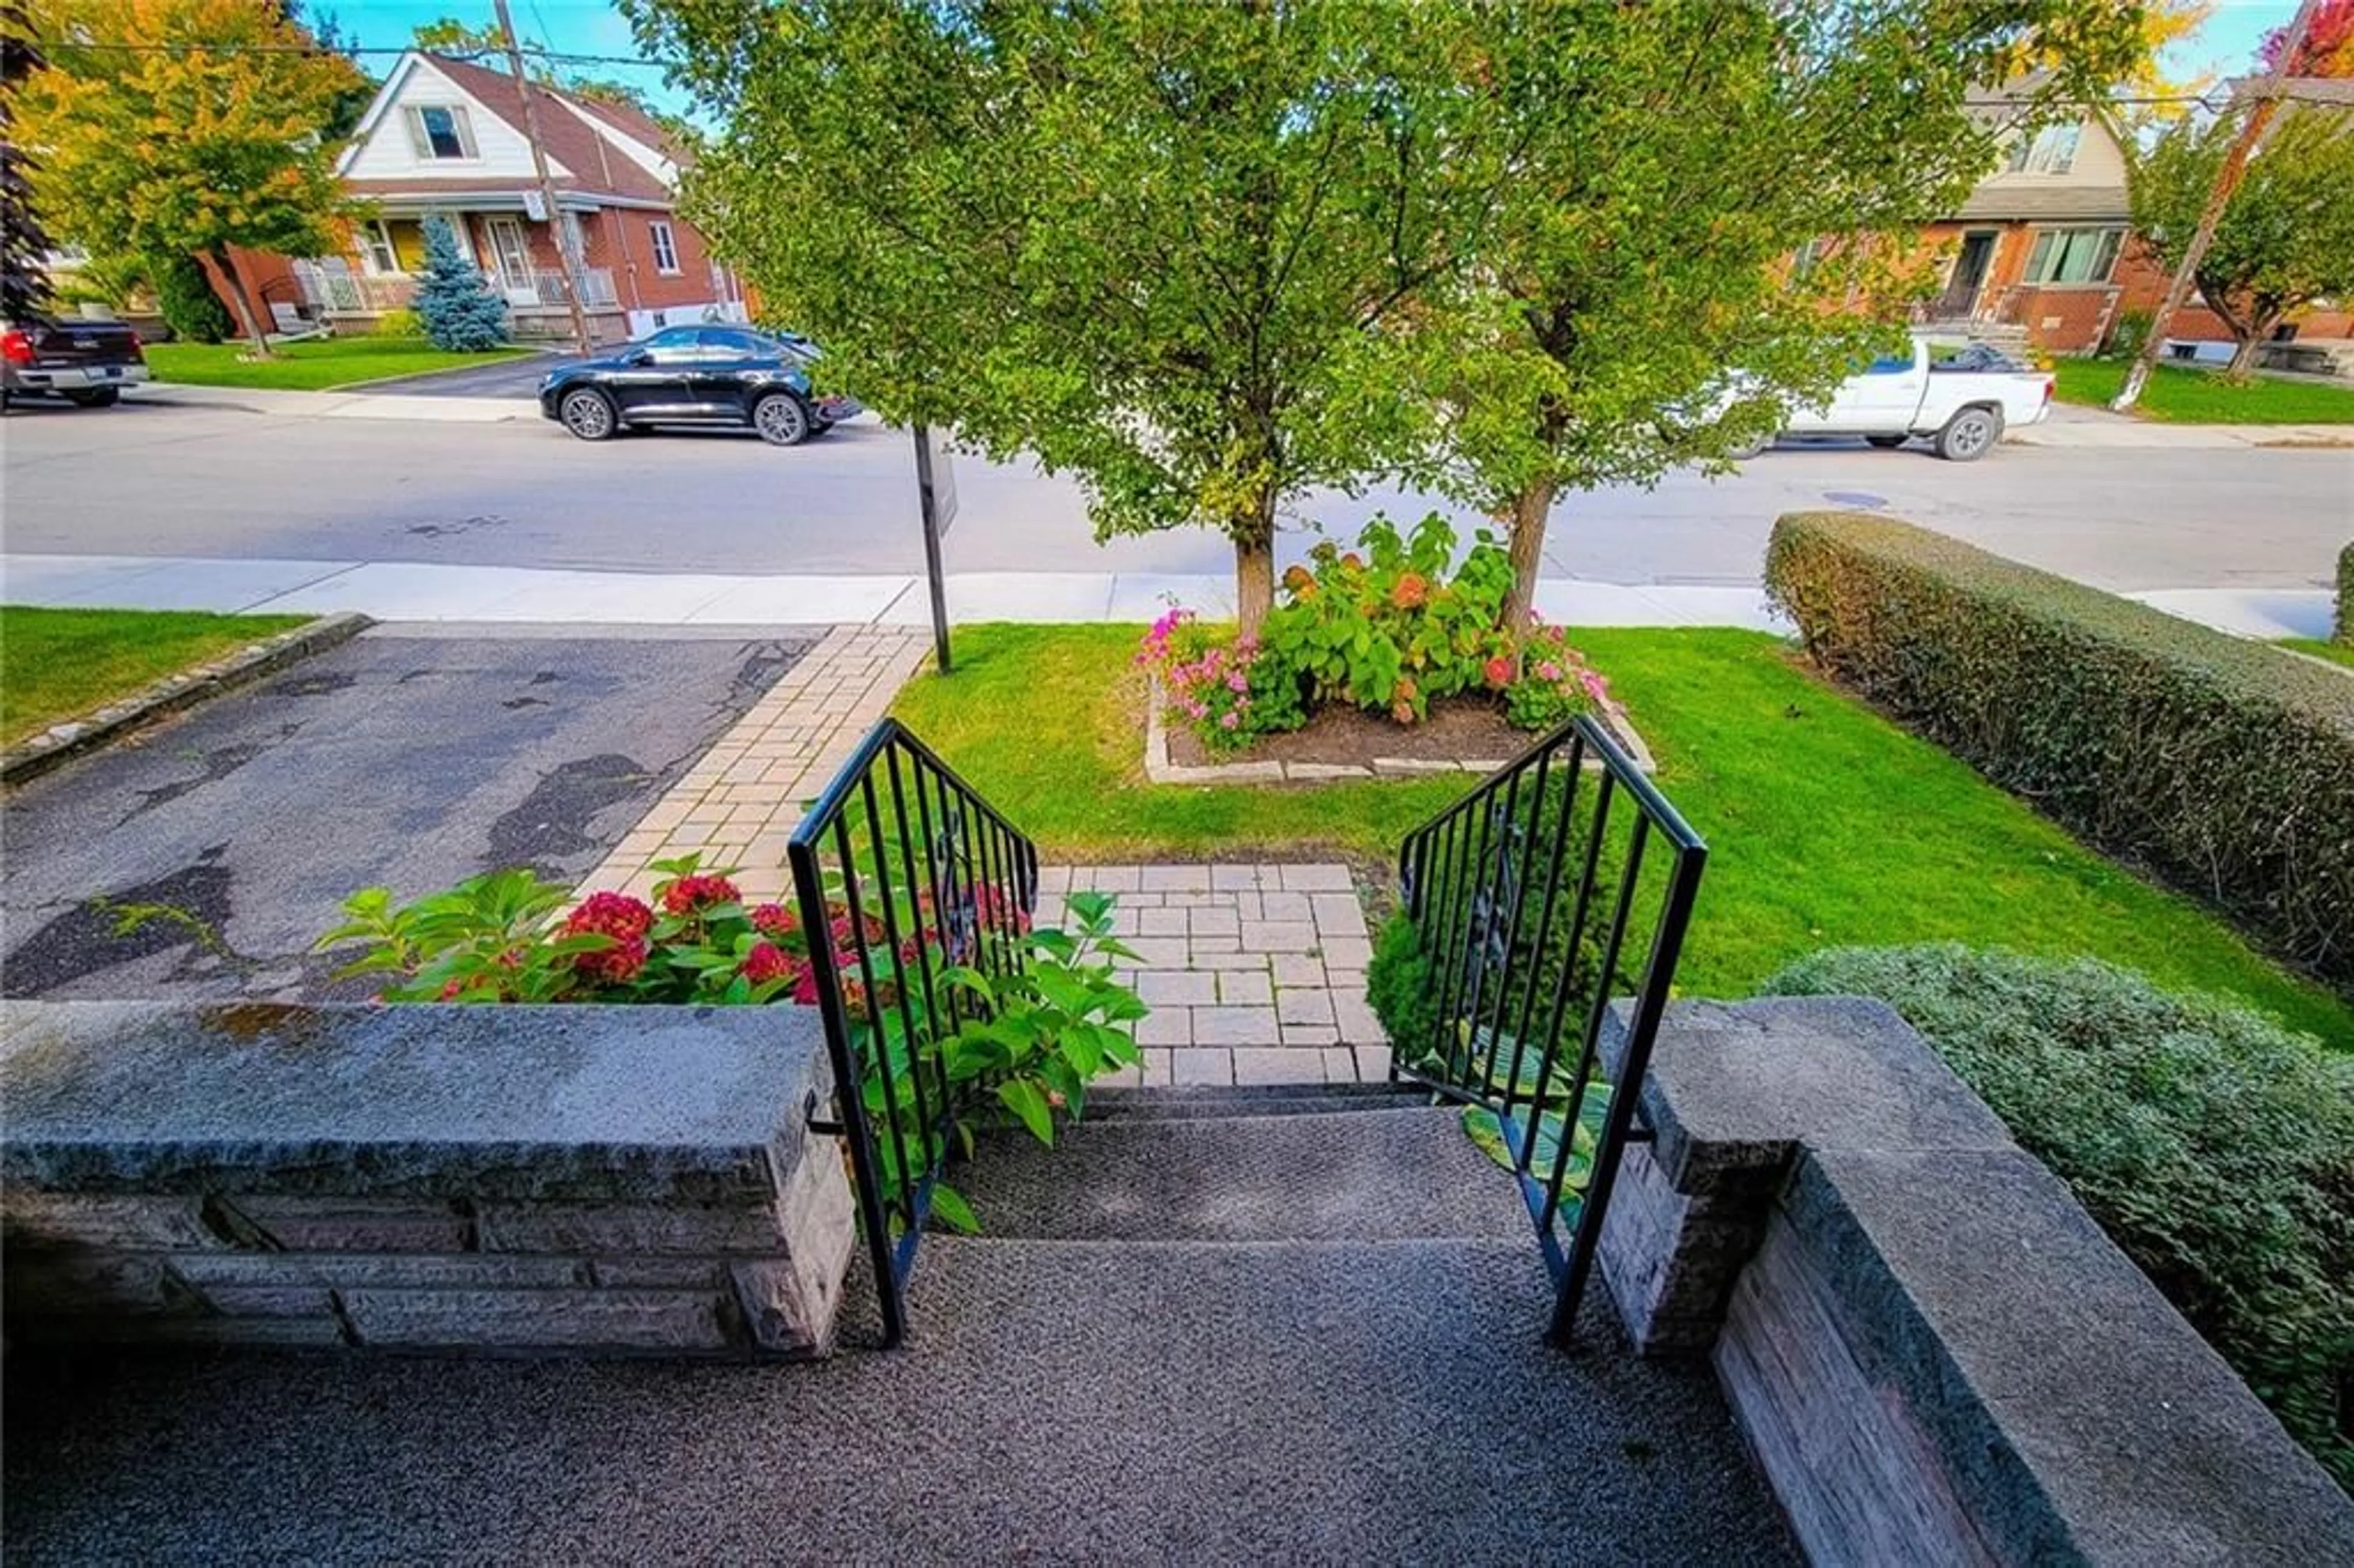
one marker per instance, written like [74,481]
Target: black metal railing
[1530,897]
[902,872]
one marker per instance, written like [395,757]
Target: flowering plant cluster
[1554,682]
[973,998]
[1229,689]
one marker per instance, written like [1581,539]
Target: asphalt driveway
[203,859]
[507,378]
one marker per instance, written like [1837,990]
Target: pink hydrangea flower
[1232,720]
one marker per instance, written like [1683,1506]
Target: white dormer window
[665,249]
[2051,151]
[438,132]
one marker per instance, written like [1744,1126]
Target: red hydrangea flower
[766,962]
[775,920]
[617,914]
[623,918]
[689,894]
[1499,670]
[615,965]
[1410,591]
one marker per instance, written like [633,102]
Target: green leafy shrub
[1382,628]
[459,309]
[401,323]
[2132,330]
[185,299]
[2223,765]
[1400,989]
[1032,1035]
[2214,1147]
[2344,631]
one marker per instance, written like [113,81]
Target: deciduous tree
[1165,248]
[184,127]
[24,243]
[1715,199]
[2286,239]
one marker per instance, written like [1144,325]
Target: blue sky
[2224,45]
[569,27]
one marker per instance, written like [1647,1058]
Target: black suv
[708,374]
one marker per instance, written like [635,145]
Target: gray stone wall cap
[636,1103]
[1735,1087]
[2087,1420]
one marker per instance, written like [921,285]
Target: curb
[63,742]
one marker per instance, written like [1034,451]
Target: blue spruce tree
[455,301]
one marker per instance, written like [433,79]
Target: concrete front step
[1058,1402]
[1377,1174]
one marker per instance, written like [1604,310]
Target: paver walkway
[1255,974]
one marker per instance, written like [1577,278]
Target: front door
[1961,295]
[511,259]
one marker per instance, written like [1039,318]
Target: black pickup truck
[85,362]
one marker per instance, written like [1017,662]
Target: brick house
[2042,250]
[445,138]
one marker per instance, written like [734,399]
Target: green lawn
[2180,395]
[1827,824]
[309,366]
[2337,653]
[56,663]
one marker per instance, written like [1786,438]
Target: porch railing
[901,872]
[549,286]
[1563,881]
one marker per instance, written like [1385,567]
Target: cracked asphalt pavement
[203,857]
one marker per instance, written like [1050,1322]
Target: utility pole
[2266,102]
[546,185]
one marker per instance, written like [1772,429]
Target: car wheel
[589,414]
[95,396]
[1885,442]
[1969,435]
[781,420]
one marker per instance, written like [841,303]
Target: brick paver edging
[1159,769]
[62,742]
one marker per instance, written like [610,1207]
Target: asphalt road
[407,761]
[155,480]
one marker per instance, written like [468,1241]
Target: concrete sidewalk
[415,591]
[2073,425]
[359,404]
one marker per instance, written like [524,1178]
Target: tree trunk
[243,306]
[1531,509]
[1253,577]
[2244,357]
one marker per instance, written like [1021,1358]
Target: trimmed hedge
[2345,632]
[2224,766]
[2214,1147]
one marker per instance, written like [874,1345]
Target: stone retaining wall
[1936,1355]
[599,1180]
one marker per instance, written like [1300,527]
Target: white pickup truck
[1961,398]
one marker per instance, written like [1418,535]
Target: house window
[376,249]
[665,249]
[2051,151]
[2074,255]
[438,132]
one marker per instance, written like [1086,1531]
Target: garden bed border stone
[61,743]
[1160,769]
